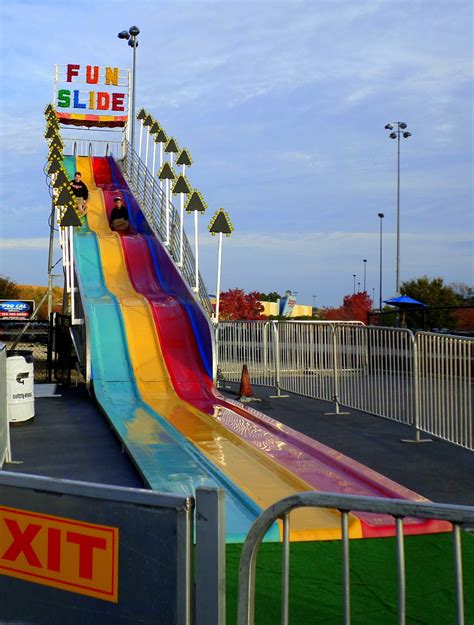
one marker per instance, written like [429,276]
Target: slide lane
[150,268]
[250,472]
[167,461]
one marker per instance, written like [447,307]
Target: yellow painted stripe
[260,477]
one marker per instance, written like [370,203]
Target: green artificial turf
[316,590]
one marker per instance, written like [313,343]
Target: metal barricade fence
[250,343]
[376,371]
[5,451]
[444,379]
[422,380]
[399,509]
[306,358]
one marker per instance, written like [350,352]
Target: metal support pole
[134,76]
[417,400]
[335,375]
[219,267]
[196,252]
[210,557]
[398,215]
[50,260]
[285,571]
[167,212]
[181,224]
[276,358]
[380,266]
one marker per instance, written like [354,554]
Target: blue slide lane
[166,459]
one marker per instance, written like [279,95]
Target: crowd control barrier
[423,380]
[399,509]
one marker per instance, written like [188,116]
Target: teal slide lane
[166,459]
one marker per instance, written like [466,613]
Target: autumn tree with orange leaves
[236,305]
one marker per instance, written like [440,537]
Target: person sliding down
[119,216]
[81,193]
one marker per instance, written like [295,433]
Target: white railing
[163,218]
[5,449]
[423,380]
[399,509]
[93,147]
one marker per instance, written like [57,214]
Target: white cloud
[31,243]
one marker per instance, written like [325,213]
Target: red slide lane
[327,470]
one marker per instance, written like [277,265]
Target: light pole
[365,275]
[354,280]
[131,36]
[381,216]
[395,134]
[358,287]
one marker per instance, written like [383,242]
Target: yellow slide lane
[260,477]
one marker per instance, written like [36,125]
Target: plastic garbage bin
[20,385]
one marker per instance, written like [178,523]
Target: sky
[282,105]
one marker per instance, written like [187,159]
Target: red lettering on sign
[22,542]
[54,549]
[72,70]
[87,544]
[117,101]
[103,100]
[92,74]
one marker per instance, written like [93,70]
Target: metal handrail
[398,508]
[152,201]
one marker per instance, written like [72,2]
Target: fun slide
[151,358]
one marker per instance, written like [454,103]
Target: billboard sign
[287,303]
[16,308]
[91,95]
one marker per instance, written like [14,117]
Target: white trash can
[20,385]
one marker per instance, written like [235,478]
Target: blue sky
[282,105]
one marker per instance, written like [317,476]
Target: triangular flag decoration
[184,158]
[49,109]
[55,155]
[181,185]
[221,223]
[166,172]
[54,167]
[141,114]
[161,136]
[154,128]
[148,121]
[195,202]
[172,146]
[65,197]
[52,119]
[70,217]
[50,133]
[56,142]
[61,180]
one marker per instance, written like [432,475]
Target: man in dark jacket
[81,192]
[119,215]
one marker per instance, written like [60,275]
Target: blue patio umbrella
[405,302]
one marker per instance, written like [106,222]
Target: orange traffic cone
[246,392]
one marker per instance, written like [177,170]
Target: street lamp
[400,130]
[354,279]
[358,287]
[131,36]
[365,275]
[381,216]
